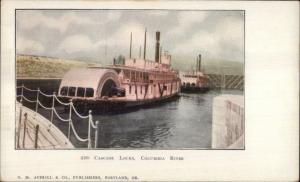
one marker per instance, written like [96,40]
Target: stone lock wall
[228,122]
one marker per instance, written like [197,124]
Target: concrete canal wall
[228,122]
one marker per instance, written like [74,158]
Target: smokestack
[157,47]
[145,43]
[197,67]
[199,64]
[140,53]
[130,45]
[160,51]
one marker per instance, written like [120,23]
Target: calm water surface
[185,123]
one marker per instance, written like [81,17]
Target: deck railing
[91,123]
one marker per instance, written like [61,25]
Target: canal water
[185,123]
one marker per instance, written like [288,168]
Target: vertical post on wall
[37,100]
[20,120]
[36,136]
[52,109]
[96,133]
[24,132]
[89,129]
[70,120]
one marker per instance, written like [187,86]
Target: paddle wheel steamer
[130,82]
[194,81]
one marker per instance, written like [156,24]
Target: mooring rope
[76,135]
[49,108]
[79,115]
[28,99]
[66,104]
[46,94]
[58,116]
[62,119]
[32,90]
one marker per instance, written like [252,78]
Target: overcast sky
[86,34]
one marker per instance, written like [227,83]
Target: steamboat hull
[102,106]
[194,89]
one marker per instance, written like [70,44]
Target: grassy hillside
[45,67]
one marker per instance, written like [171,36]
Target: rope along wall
[68,120]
